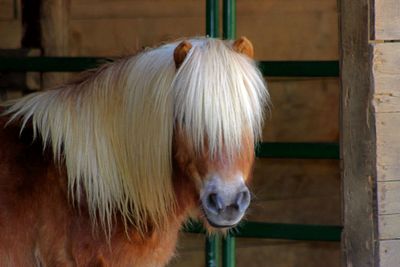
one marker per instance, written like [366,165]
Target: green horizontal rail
[289,231]
[76,64]
[279,231]
[299,68]
[298,150]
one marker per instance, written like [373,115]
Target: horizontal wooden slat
[387,20]
[388,146]
[94,9]
[136,9]
[389,226]
[389,253]
[388,197]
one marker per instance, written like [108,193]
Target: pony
[104,170]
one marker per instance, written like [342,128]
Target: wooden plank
[389,253]
[138,9]
[389,226]
[386,102]
[7,10]
[103,38]
[386,73]
[388,197]
[10,34]
[55,35]
[358,136]
[182,8]
[387,20]
[388,146]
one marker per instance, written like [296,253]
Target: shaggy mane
[113,130]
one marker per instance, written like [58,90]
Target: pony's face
[219,183]
[218,174]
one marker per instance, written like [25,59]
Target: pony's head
[220,99]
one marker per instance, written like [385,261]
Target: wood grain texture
[388,146]
[7,10]
[55,35]
[388,197]
[357,136]
[387,20]
[389,227]
[389,253]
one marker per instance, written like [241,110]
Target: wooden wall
[10,24]
[371,143]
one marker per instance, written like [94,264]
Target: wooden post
[370,128]
[55,35]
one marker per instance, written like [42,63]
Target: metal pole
[212,18]
[229,19]
[228,251]
[212,253]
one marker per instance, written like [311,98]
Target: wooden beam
[55,35]
[357,136]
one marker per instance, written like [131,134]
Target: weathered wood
[389,227]
[119,28]
[7,10]
[388,146]
[389,253]
[10,24]
[55,35]
[357,136]
[387,20]
[96,9]
[388,197]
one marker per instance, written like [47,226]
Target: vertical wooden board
[7,9]
[389,253]
[386,20]
[357,136]
[55,36]
[388,197]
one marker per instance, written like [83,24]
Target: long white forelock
[220,95]
[114,130]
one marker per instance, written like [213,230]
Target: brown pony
[127,154]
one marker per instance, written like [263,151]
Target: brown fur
[40,227]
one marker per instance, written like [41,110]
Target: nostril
[243,200]
[214,202]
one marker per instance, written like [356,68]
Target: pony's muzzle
[225,204]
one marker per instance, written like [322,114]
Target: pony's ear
[243,46]
[181,52]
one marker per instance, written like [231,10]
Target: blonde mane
[113,130]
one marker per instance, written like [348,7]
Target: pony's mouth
[222,220]
[220,226]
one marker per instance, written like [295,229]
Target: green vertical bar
[229,19]
[212,20]
[228,251]
[212,245]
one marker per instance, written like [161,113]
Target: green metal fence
[216,245]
